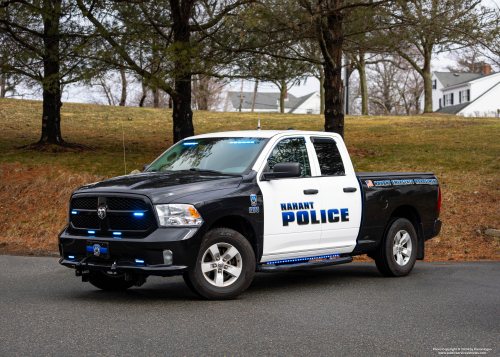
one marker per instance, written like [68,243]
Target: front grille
[84,203]
[119,216]
[126,204]
[87,222]
[124,223]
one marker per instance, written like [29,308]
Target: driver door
[291,228]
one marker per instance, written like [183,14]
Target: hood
[163,187]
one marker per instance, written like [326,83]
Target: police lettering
[303,217]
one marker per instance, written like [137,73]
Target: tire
[397,253]
[110,282]
[214,278]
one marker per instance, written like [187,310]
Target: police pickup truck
[216,208]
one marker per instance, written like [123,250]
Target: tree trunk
[156,97]
[182,113]
[282,96]
[203,94]
[363,84]
[51,116]
[427,82]
[321,89]
[124,88]
[334,98]
[254,94]
[3,85]
[241,95]
[170,102]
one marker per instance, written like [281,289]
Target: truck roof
[257,133]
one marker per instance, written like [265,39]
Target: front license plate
[98,249]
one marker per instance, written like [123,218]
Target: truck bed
[387,195]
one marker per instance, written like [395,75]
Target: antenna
[258,125]
[123,140]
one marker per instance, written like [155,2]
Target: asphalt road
[347,310]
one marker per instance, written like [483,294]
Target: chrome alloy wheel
[401,247]
[221,264]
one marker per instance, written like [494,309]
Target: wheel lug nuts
[225,266]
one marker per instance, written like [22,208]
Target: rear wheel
[397,253]
[225,265]
[110,281]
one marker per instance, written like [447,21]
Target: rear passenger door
[341,205]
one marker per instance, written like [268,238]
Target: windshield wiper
[212,171]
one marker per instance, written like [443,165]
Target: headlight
[178,216]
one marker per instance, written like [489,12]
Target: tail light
[439,200]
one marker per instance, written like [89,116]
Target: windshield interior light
[189,144]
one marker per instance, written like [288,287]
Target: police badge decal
[253,200]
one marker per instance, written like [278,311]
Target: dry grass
[464,154]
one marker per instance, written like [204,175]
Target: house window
[448,99]
[464,96]
[440,105]
[434,84]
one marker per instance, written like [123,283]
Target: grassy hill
[464,153]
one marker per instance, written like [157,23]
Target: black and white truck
[216,208]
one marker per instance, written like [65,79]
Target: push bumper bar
[124,266]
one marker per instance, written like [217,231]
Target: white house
[466,94]
[270,102]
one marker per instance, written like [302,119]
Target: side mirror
[145,167]
[283,170]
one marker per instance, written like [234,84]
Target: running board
[270,268]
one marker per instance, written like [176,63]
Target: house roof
[301,101]
[268,100]
[449,79]
[262,101]
[454,109]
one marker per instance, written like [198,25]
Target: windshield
[227,155]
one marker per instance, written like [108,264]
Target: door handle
[350,189]
[310,192]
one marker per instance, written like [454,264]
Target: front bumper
[124,252]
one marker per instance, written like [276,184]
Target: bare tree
[468,60]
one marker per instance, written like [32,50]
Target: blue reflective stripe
[102,250]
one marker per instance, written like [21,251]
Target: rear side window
[330,161]
[291,150]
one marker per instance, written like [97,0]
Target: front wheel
[397,253]
[225,265]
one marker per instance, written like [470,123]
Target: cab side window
[291,150]
[330,161]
